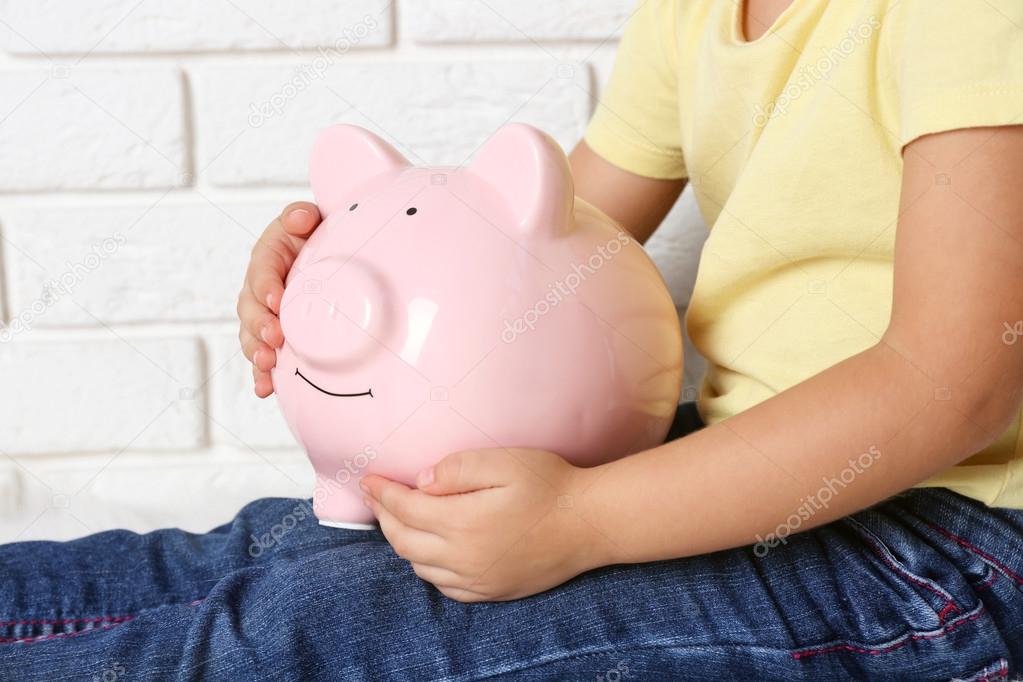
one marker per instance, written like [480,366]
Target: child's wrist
[596,542]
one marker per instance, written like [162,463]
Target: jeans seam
[604,651]
[987,558]
[112,622]
[998,670]
[898,643]
[990,580]
[61,635]
[60,621]
[889,560]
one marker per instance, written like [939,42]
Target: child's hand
[491,525]
[260,298]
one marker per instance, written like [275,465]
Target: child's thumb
[461,472]
[300,218]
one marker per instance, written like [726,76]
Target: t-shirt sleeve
[955,64]
[636,124]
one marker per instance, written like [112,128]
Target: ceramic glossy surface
[442,309]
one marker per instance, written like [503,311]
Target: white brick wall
[120,26]
[439,21]
[101,393]
[435,112]
[86,128]
[163,258]
[143,146]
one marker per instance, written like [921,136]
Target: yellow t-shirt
[793,145]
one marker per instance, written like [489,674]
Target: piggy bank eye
[412,211]
[353,207]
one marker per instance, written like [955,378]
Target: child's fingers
[264,384]
[267,287]
[261,294]
[408,542]
[259,321]
[413,508]
[466,471]
[260,298]
[437,576]
[272,257]
[463,595]
[259,354]
[300,218]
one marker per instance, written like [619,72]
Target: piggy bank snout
[334,314]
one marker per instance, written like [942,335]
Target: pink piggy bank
[446,309]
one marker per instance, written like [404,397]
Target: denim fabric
[925,586]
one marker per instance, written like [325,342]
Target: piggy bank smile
[444,309]
[368,392]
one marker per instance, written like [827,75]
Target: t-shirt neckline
[737,35]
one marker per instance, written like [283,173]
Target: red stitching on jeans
[990,581]
[979,552]
[59,635]
[949,604]
[945,611]
[873,652]
[65,620]
[1002,672]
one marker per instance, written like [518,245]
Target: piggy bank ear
[345,157]
[530,172]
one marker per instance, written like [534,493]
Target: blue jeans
[925,586]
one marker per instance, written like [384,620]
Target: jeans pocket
[983,568]
[908,566]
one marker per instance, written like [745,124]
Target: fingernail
[365,488]
[270,301]
[264,334]
[256,356]
[424,478]
[299,212]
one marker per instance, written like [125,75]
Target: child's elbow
[977,391]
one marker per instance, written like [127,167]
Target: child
[854,507]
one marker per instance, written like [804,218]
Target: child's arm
[939,386]
[639,204]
